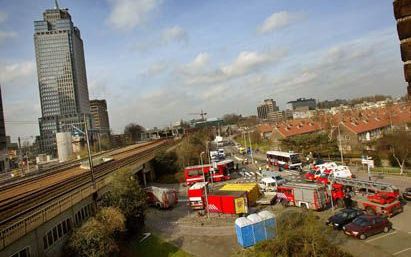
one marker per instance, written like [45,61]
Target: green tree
[191,146]
[298,235]
[126,194]
[113,220]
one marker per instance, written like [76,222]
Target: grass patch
[390,171]
[155,247]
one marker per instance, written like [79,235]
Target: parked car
[367,225]
[271,183]
[343,217]
[407,194]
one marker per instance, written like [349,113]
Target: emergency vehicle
[373,197]
[221,172]
[284,159]
[196,195]
[309,196]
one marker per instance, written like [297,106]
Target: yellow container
[251,188]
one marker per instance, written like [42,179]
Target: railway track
[21,184]
[25,203]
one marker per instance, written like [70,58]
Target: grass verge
[154,247]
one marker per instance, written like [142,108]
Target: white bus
[285,160]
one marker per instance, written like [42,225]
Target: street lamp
[205,191]
[339,140]
[90,158]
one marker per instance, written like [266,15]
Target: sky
[157,61]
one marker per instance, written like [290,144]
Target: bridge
[37,213]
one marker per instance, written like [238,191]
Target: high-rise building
[100,116]
[61,75]
[402,13]
[267,107]
[4,165]
[303,104]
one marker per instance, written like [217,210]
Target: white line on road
[401,251]
[373,239]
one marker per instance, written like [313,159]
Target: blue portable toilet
[244,231]
[258,227]
[269,222]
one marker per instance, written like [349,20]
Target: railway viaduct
[37,214]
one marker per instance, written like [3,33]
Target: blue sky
[155,61]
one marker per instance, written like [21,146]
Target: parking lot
[198,236]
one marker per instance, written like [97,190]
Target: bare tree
[134,131]
[398,145]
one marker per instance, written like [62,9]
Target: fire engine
[373,197]
[194,174]
[309,196]
[196,195]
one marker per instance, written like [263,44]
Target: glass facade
[61,75]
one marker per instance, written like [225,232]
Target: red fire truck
[309,196]
[162,198]
[222,172]
[373,197]
[196,195]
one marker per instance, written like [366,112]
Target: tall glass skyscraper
[61,75]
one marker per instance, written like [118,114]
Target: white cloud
[175,33]
[3,16]
[10,72]
[4,35]
[277,20]
[245,63]
[127,14]
[155,70]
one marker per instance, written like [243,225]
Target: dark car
[367,225]
[407,194]
[343,217]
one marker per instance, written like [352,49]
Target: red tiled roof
[264,128]
[297,127]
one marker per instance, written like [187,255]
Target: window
[22,253]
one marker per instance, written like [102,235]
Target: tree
[113,220]
[298,234]
[134,131]
[314,143]
[92,239]
[126,194]
[231,118]
[165,162]
[398,145]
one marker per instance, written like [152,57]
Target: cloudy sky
[156,61]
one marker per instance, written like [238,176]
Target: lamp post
[339,140]
[90,158]
[205,191]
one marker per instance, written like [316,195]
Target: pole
[20,157]
[368,169]
[209,161]
[205,190]
[90,158]
[251,148]
[339,140]
[331,193]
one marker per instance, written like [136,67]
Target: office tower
[4,165]
[99,113]
[61,75]
[266,108]
[402,13]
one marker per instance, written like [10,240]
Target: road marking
[373,239]
[401,251]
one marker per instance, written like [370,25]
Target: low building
[294,128]
[265,130]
